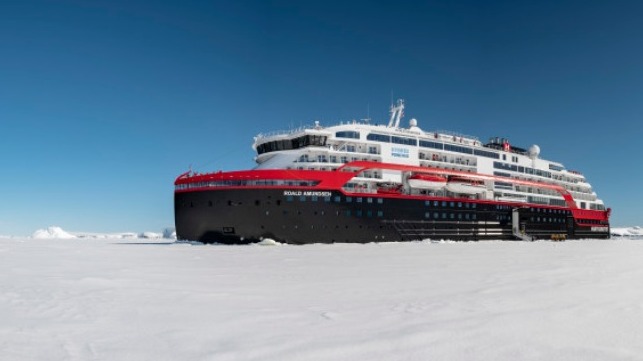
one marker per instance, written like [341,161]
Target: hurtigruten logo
[307,193]
[400,152]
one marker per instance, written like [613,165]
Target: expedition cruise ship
[359,182]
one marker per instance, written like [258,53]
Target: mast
[397,112]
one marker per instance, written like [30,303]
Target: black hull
[300,217]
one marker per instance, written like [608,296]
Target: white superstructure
[328,148]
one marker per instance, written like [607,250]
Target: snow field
[115,299]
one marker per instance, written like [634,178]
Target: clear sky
[104,103]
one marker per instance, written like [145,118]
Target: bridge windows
[347,134]
[295,143]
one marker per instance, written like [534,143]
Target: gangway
[517,230]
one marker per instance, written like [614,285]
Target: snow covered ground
[152,299]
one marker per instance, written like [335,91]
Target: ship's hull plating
[301,216]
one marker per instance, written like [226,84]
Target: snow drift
[52,232]
[627,232]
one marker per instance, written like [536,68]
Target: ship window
[427,203]
[457,148]
[327,199]
[349,199]
[338,199]
[434,145]
[473,205]
[435,203]
[302,198]
[314,198]
[379,137]
[380,200]
[444,215]
[359,199]
[348,213]
[436,215]
[473,216]
[358,213]
[451,204]
[466,216]
[485,153]
[347,134]
[459,204]
[403,140]
[444,203]
[380,214]
[451,215]
[427,215]
[369,200]
[369,213]
[459,215]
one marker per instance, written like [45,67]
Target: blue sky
[104,103]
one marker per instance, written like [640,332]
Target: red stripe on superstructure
[335,180]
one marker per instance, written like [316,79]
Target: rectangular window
[379,137]
[347,134]
[487,154]
[434,145]
[457,148]
[403,140]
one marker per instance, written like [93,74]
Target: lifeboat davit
[465,185]
[427,181]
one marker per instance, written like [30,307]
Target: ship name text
[307,193]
